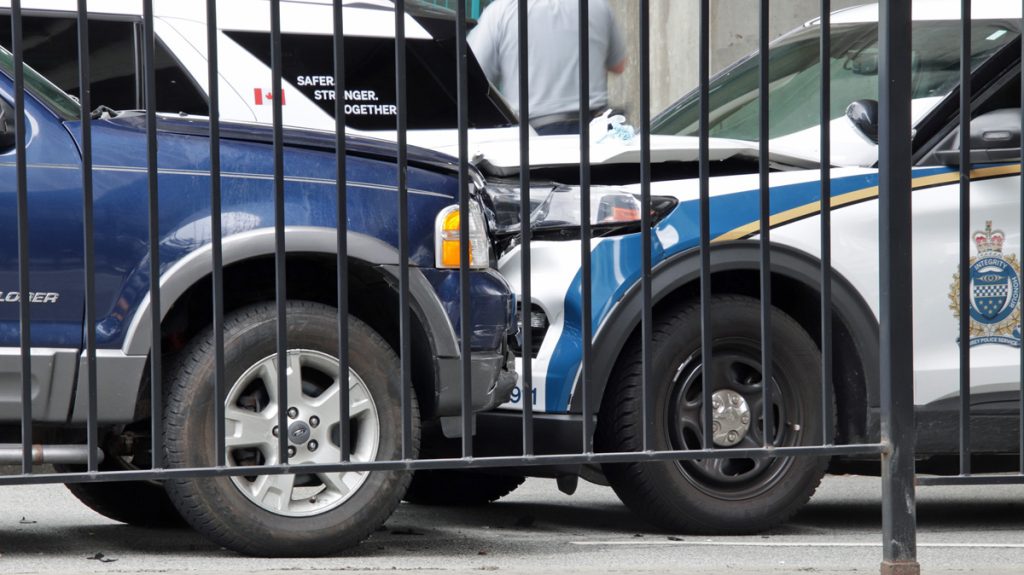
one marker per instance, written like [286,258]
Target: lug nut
[293,412]
[733,436]
[745,419]
[276,431]
[716,403]
[291,451]
[735,400]
[312,445]
[715,426]
[314,421]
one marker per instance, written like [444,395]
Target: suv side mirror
[6,126]
[864,116]
[995,137]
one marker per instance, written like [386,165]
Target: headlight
[555,206]
[447,242]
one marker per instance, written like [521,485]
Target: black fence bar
[585,231]
[896,333]
[152,173]
[405,337]
[465,309]
[216,232]
[526,294]
[342,191]
[704,58]
[451,463]
[899,537]
[985,479]
[24,319]
[767,413]
[647,321]
[825,146]
[965,237]
[89,249]
[1020,402]
[280,276]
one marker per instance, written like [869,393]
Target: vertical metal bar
[465,309]
[156,353]
[647,319]
[281,279]
[21,169]
[767,413]
[1020,201]
[827,437]
[139,85]
[213,81]
[526,293]
[89,255]
[899,537]
[705,224]
[403,231]
[585,232]
[965,235]
[342,184]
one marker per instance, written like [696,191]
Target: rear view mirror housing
[995,137]
[863,114]
[6,126]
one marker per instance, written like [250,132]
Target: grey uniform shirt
[553,52]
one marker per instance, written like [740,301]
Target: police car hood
[502,158]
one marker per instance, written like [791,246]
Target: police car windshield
[795,77]
[44,90]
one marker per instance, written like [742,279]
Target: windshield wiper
[101,109]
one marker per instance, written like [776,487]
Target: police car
[244,57]
[746,494]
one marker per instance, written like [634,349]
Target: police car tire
[460,488]
[662,492]
[137,503]
[214,506]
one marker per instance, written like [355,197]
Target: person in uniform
[553,47]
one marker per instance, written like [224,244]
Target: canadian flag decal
[265,98]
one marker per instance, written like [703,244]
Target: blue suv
[300,514]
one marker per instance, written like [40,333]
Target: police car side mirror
[995,137]
[6,125]
[863,114]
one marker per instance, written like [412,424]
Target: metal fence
[895,448]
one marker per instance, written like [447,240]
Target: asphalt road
[537,529]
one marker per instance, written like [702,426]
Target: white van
[308,94]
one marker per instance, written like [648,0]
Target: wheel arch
[186,303]
[735,269]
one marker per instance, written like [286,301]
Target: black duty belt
[548,119]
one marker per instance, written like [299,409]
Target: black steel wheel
[730,495]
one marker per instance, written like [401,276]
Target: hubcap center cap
[298,432]
[730,417]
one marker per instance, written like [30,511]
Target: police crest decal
[994,291]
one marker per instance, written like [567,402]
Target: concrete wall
[675,29]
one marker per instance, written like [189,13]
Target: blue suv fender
[123,370]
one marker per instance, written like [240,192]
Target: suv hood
[293,137]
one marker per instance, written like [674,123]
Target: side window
[175,89]
[51,47]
